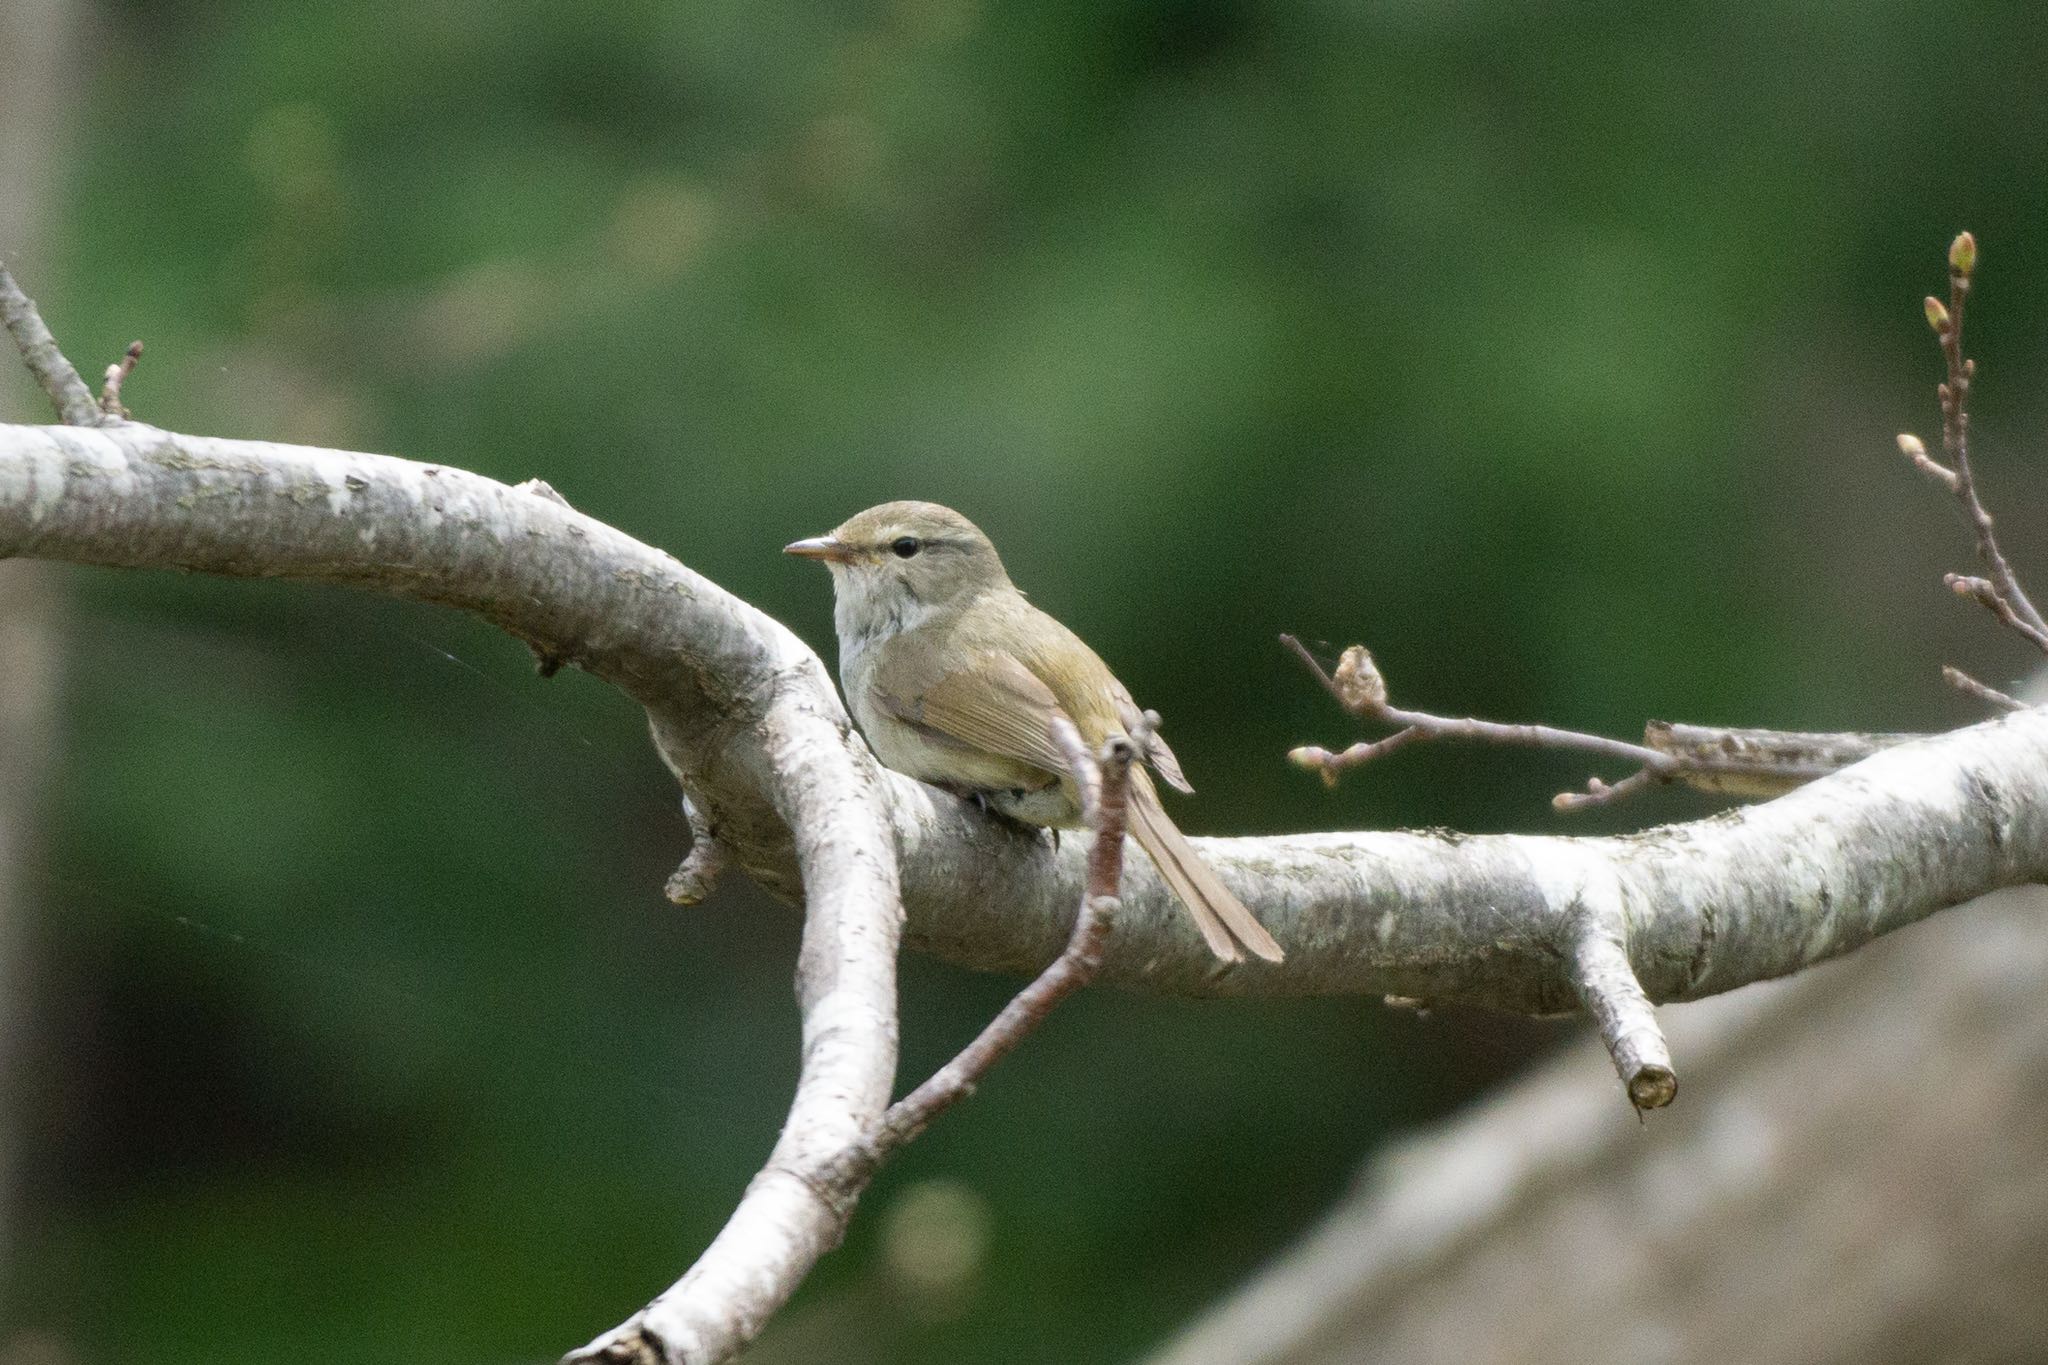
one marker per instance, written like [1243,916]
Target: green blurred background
[1554,351]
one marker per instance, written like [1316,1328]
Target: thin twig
[1361,689]
[1955,435]
[1984,692]
[1330,765]
[1726,761]
[1358,688]
[39,350]
[1986,594]
[117,375]
[1087,772]
[1598,793]
[1915,449]
[1107,776]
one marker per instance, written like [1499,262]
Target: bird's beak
[819,547]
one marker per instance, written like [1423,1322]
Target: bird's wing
[995,704]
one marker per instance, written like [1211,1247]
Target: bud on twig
[1962,254]
[1358,682]
[1914,449]
[1317,760]
[1937,315]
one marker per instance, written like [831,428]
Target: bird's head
[906,558]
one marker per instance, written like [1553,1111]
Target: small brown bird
[955,679]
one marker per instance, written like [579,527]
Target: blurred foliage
[1553,351]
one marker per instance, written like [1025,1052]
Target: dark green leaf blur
[1554,351]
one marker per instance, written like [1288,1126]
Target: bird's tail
[1222,918]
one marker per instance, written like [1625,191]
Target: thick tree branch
[1750,894]
[745,715]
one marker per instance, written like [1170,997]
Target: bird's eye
[906,546]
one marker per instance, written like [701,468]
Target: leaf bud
[1962,254]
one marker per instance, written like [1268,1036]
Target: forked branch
[1104,780]
[46,362]
[2000,593]
[1748,763]
[745,716]
[1954,394]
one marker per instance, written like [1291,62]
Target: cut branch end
[1627,1021]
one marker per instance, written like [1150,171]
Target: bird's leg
[984,802]
[982,797]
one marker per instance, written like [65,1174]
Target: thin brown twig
[1986,594]
[1358,688]
[1105,809]
[1598,793]
[1915,449]
[1330,765]
[1984,692]
[117,375]
[1955,437]
[1726,761]
[40,352]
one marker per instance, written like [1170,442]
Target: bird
[956,680]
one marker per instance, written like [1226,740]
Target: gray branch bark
[745,716]
[744,711]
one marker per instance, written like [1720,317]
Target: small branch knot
[698,876]
[541,488]
[117,375]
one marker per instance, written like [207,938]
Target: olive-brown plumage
[955,679]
